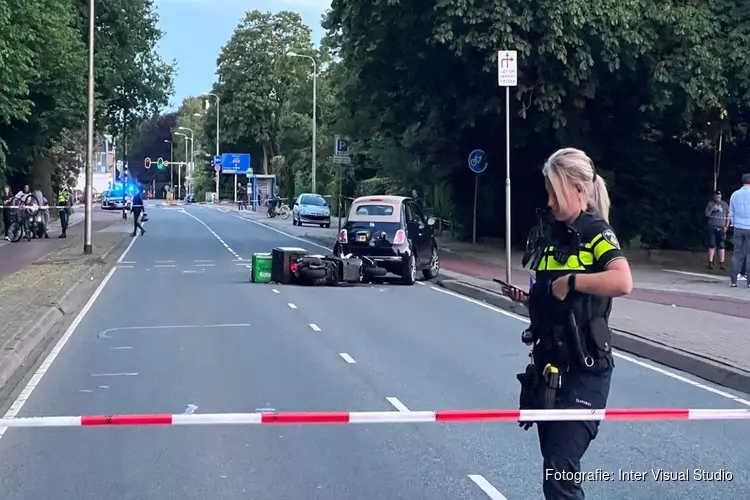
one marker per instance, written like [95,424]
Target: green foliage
[43,77]
[640,85]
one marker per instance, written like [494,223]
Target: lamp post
[218,102]
[171,159]
[315,112]
[179,170]
[88,225]
[192,148]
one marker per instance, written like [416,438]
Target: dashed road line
[487,487]
[132,374]
[121,348]
[205,265]
[347,358]
[398,405]
[221,240]
[165,262]
[164,265]
[292,306]
[203,261]
[275,291]
[314,327]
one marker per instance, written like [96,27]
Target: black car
[393,233]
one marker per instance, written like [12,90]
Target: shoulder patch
[609,237]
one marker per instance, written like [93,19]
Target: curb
[712,371]
[15,353]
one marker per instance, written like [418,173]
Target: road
[178,324]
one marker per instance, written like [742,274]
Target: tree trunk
[40,174]
[265,158]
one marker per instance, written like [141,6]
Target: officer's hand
[515,294]
[526,425]
[560,287]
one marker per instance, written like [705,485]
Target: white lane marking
[222,210]
[199,260]
[398,405]
[122,257]
[85,390]
[164,265]
[103,387]
[275,291]
[122,348]
[205,265]
[314,327]
[244,265]
[238,260]
[26,392]
[625,357]
[292,305]
[224,243]
[114,374]
[285,234]
[125,267]
[126,262]
[165,262]
[487,487]
[192,271]
[698,275]
[347,358]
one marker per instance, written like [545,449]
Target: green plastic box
[261,268]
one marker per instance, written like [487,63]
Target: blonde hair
[570,167]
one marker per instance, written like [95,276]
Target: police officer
[579,269]
[63,205]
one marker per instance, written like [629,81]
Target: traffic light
[147,163]
[160,164]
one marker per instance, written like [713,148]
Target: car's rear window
[375,210]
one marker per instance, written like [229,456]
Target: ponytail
[600,198]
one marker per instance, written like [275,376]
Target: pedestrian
[580,269]
[240,192]
[63,205]
[739,218]
[42,200]
[717,211]
[7,204]
[136,209]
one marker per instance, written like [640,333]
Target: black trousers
[64,219]
[136,220]
[564,443]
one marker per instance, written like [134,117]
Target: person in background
[64,202]
[240,194]
[7,204]
[739,218]
[43,207]
[21,195]
[717,211]
[136,209]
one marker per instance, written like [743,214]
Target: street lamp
[171,159]
[218,102]
[192,148]
[88,225]
[179,170]
[315,111]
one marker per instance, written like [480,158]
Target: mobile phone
[509,286]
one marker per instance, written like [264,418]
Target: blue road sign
[235,164]
[477,161]
[342,147]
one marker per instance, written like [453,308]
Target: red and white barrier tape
[378,417]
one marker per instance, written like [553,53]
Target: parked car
[393,233]
[113,199]
[311,208]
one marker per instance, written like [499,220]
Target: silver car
[311,208]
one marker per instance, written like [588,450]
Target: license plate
[363,237]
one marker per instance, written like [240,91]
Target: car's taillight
[400,238]
[343,236]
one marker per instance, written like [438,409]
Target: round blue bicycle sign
[477,161]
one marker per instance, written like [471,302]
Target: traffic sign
[477,161]
[340,150]
[235,163]
[160,163]
[507,68]
[147,163]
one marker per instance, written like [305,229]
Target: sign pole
[477,164]
[507,74]
[476,195]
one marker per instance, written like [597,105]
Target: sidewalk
[691,321]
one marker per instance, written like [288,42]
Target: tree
[634,83]
[257,80]
[150,142]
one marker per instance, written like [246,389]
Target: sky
[196,30]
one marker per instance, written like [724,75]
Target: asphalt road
[178,324]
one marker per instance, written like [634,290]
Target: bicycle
[274,210]
[22,216]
